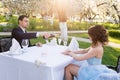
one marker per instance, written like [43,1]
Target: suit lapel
[25,32]
[20,29]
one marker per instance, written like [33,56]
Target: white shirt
[23,29]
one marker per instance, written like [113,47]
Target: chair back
[118,65]
[5,44]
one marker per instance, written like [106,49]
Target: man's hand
[46,35]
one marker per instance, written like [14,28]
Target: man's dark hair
[21,17]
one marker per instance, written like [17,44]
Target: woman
[99,37]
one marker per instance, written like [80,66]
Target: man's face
[24,23]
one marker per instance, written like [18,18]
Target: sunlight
[62,3]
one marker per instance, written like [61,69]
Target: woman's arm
[91,53]
[82,51]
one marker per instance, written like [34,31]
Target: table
[38,63]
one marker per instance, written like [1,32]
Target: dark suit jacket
[18,34]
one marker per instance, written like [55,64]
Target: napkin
[15,48]
[73,46]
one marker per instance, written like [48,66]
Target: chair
[5,44]
[117,67]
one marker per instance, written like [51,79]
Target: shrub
[12,22]
[2,19]
[1,28]
[43,25]
[76,25]
[111,26]
[33,23]
[114,33]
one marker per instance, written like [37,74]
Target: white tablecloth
[27,66]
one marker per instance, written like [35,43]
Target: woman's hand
[66,52]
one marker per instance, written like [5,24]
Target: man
[20,33]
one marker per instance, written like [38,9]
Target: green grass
[83,35]
[110,54]
[40,39]
[116,40]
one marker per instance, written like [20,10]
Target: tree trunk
[63,30]
[61,9]
[117,13]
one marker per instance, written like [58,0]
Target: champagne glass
[59,41]
[47,38]
[47,41]
[25,43]
[65,42]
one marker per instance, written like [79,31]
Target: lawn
[110,54]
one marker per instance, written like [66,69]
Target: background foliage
[45,25]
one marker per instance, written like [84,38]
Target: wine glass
[25,43]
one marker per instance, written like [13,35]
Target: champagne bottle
[51,35]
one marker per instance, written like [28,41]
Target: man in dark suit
[20,33]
